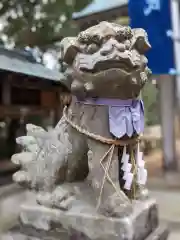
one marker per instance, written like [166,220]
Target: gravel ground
[169,210]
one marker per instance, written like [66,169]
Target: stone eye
[96,39]
[120,38]
[106,38]
[92,48]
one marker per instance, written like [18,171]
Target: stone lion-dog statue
[90,162]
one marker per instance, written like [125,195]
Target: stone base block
[160,233]
[40,222]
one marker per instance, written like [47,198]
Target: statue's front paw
[60,198]
[116,206]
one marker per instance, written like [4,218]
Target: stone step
[16,236]
[160,233]
[11,198]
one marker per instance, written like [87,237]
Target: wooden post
[167,109]
[6,92]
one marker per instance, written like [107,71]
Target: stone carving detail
[104,54]
[77,166]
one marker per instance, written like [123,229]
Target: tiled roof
[19,62]
[99,6]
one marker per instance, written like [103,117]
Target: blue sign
[155,17]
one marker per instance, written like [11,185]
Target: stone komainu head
[107,60]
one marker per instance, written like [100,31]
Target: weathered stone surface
[83,219]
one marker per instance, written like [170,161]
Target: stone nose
[109,46]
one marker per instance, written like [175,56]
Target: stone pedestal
[38,222]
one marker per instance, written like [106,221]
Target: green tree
[38,22]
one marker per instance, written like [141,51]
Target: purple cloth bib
[125,116]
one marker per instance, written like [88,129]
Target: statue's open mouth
[110,64]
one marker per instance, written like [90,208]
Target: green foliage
[150,98]
[39,22]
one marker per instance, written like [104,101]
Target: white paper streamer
[125,156]
[139,158]
[142,176]
[141,171]
[125,176]
[140,161]
[128,182]
[126,167]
